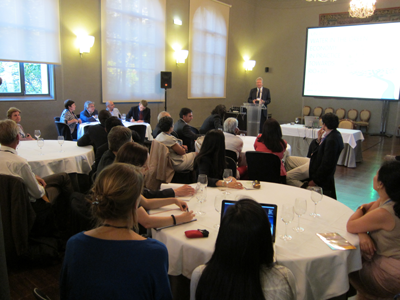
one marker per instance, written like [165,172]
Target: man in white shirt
[112,109]
[46,194]
[232,141]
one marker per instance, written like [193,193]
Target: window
[22,79]
[209,22]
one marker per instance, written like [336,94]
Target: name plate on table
[335,241]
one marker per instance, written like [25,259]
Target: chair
[306,112]
[341,113]
[328,110]
[365,115]
[263,166]
[346,123]
[231,154]
[194,130]
[57,119]
[63,130]
[141,130]
[352,114]
[231,164]
[317,111]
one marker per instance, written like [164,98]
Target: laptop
[270,209]
[311,121]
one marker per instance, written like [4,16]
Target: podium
[253,117]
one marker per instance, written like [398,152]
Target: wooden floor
[354,187]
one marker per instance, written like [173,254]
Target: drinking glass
[316,196]
[297,120]
[202,179]
[300,208]
[227,178]
[123,117]
[61,141]
[287,217]
[217,205]
[40,143]
[37,134]
[201,194]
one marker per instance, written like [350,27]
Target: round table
[321,273]
[73,159]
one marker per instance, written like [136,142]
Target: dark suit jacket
[85,116]
[212,122]
[134,113]
[266,96]
[323,160]
[186,134]
[95,135]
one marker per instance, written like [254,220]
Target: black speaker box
[166,80]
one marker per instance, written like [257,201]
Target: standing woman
[378,227]
[112,261]
[68,116]
[14,114]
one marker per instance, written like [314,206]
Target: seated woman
[242,265]
[215,120]
[68,116]
[14,114]
[211,160]
[378,226]
[137,155]
[270,141]
[112,261]
[181,161]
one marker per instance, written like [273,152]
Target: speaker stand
[384,117]
[165,100]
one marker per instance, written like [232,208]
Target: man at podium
[260,95]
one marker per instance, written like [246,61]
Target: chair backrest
[63,130]
[141,130]
[194,129]
[317,111]
[263,166]
[365,115]
[346,123]
[306,110]
[328,110]
[17,215]
[352,114]
[231,154]
[231,164]
[57,119]
[341,113]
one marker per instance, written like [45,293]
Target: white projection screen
[354,61]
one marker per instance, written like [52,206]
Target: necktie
[258,95]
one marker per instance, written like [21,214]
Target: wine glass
[287,217]
[61,141]
[316,196]
[227,178]
[300,208]
[37,134]
[201,194]
[40,143]
[217,205]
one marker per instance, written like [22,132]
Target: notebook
[311,121]
[270,209]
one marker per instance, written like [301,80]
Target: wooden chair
[352,114]
[365,115]
[263,166]
[306,112]
[341,113]
[346,123]
[318,111]
[328,110]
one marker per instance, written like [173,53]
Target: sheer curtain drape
[30,31]
[209,23]
[133,49]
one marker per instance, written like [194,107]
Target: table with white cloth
[149,136]
[73,159]
[321,273]
[300,137]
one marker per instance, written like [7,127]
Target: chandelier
[362,8]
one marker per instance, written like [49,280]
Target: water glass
[61,141]
[300,208]
[202,179]
[201,195]
[316,196]
[40,143]
[227,178]
[37,134]
[287,217]
[123,117]
[217,205]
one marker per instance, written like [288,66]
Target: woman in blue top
[112,261]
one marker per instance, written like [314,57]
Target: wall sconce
[249,65]
[84,42]
[177,21]
[180,56]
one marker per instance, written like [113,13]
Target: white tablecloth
[149,136]
[73,159]
[300,138]
[320,272]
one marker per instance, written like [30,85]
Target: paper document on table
[335,241]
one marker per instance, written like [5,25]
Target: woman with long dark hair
[215,120]
[378,226]
[270,141]
[211,159]
[242,265]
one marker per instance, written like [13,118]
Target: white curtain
[208,34]
[30,31]
[133,49]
